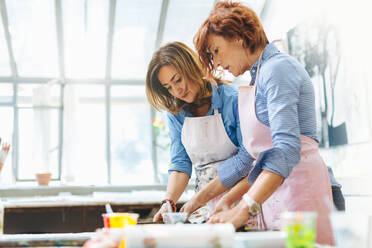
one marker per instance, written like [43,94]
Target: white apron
[308,185]
[207,144]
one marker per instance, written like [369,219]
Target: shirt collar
[269,51]
[216,98]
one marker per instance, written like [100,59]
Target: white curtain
[70,149]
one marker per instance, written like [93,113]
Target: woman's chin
[236,74]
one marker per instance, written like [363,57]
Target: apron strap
[215,111]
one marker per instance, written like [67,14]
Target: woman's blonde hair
[232,21]
[187,63]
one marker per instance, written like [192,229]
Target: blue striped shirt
[289,106]
[225,99]
[285,102]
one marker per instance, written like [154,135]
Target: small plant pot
[43,178]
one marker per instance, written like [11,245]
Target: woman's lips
[185,95]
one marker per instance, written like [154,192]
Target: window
[85,28]
[32,27]
[4,58]
[136,24]
[38,110]
[6,127]
[199,10]
[72,94]
[130,136]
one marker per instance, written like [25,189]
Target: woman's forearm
[211,190]
[237,191]
[264,186]
[177,183]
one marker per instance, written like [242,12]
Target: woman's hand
[177,182]
[210,191]
[222,205]
[238,216]
[158,216]
[192,205]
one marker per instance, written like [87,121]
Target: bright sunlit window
[32,27]
[72,88]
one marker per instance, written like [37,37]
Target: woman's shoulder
[284,69]
[176,118]
[284,65]
[227,90]
[228,95]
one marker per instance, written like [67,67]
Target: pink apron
[307,188]
[207,145]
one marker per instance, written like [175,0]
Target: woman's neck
[202,110]
[252,57]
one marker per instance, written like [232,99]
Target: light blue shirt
[225,99]
[285,102]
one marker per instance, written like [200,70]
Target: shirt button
[253,70]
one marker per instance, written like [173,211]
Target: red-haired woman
[278,122]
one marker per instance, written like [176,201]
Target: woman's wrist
[202,197]
[171,202]
[243,209]
[228,199]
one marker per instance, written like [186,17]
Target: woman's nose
[179,89]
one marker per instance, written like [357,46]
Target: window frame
[15,80]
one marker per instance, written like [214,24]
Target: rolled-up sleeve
[235,168]
[282,95]
[180,161]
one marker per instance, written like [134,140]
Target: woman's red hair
[232,21]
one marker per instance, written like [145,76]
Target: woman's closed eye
[215,51]
[177,81]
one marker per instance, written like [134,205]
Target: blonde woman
[203,126]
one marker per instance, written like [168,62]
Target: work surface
[51,239]
[241,240]
[78,239]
